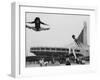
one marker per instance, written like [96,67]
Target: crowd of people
[46,61]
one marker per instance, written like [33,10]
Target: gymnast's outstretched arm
[43,23]
[31,22]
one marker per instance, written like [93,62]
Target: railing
[49,49]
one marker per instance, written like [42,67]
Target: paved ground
[38,65]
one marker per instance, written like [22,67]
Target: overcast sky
[62,27]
